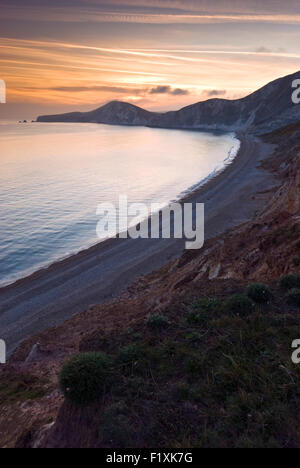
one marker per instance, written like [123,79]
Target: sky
[66,55]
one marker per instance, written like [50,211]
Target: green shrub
[131,353]
[293,297]
[84,377]
[157,321]
[290,281]
[203,310]
[194,318]
[239,304]
[206,304]
[259,292]
[21,388]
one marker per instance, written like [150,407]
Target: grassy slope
[208,378]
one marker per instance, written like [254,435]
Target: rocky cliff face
[269,108]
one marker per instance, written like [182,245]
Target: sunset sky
[63,55]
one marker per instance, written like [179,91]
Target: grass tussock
[21,388]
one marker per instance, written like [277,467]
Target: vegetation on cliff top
[213,372]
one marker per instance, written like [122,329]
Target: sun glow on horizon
[161,64]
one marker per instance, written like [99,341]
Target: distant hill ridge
[268,108]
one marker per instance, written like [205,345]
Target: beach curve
[50,296]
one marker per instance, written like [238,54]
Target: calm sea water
[53,176]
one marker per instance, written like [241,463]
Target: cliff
[269,108]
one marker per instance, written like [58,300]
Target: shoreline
[100,273]
[181,198]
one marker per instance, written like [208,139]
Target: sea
[54,176]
